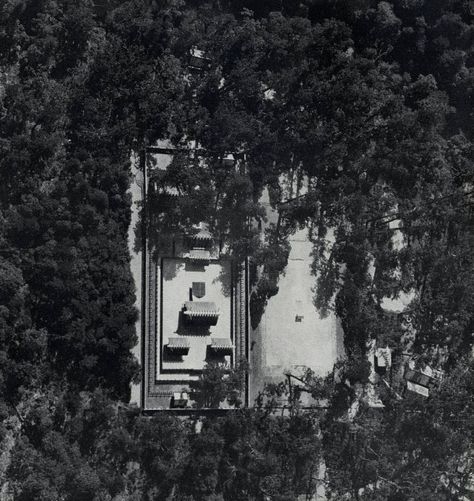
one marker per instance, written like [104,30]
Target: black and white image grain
[236,250]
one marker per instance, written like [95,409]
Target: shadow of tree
[225,277]
[193,266]
[170,268]
[258,302]
[269,265]
[138,230]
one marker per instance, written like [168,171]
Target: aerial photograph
[236,250]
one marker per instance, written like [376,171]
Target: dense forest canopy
[371,100]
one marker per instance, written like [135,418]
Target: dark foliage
[372,100]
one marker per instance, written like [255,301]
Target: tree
[414,447]
[370,100]
[217,384]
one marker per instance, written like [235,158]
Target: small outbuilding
[178,345]
[222,346]
[383,359]
[420,383]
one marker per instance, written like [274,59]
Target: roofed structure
[383,357]
[200,255]
[178,344]
[420,382]
[201,311]
[203,234]
[221,345]
[198,60]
